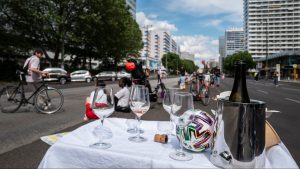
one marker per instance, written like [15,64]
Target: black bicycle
[45,99]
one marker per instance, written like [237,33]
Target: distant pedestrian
[256,76]
[276,75]
[159,76]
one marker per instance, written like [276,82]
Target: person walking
[182,78]
[159,76]
[32,66]
[276,74]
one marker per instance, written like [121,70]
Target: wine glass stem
[181,146]
[138,127]
[101,134]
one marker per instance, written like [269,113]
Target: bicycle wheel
[10,99]
[48,100]
[205,98]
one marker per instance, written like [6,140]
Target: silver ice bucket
[239,138]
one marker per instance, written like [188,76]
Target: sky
[194,24]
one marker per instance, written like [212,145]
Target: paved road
[20,132]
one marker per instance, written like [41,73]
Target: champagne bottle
[239,91]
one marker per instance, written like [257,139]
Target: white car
[81,75]
[123,74]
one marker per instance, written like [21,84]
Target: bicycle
[200,91]
[46,99]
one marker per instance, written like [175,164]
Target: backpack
[26,67]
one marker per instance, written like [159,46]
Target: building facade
[271,26]
[156,44]
[234,41]
[132,7]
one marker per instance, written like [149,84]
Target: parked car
[81,76]
[57,75]
[123,74]
[107,75]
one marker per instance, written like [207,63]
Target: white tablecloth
[73,151]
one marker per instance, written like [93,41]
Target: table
[73,151]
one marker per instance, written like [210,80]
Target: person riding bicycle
[137,74]
[32,66]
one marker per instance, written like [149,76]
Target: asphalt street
[20,132]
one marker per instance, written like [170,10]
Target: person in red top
[89,114]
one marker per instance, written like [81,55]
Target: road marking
[291,89]
[297,101]
[263,91]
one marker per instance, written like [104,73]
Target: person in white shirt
[32,64]
[122,96]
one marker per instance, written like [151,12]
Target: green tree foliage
[230,61]
[172,62]
[189,66]
[85,29]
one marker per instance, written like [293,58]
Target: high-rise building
[234,41]
[156,44]
[132,6]
[271,26]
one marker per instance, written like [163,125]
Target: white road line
[297,101]
[263,91]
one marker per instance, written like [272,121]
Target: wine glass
[103,106]
[182,111]
[167,104]
[139,104]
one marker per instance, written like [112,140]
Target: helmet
[198,134]
[130,66]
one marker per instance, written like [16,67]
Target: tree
[189,66]
[85,29]
[230,61]
[171,61]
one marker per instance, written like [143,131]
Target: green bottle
[239,92]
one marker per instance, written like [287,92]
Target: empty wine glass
[167,104]
[182,111]
[139,104]
[103,106]
[132,126]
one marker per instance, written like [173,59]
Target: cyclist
[32,66]
[207,80]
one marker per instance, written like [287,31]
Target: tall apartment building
[156,44]
[132,7]
[234,41]
[271,26]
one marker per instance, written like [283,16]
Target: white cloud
[205,7]
[215,22]
[230,9]
[204,47]
[144,20]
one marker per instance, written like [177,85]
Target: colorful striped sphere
[198,134]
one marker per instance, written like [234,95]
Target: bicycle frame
[27,100]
